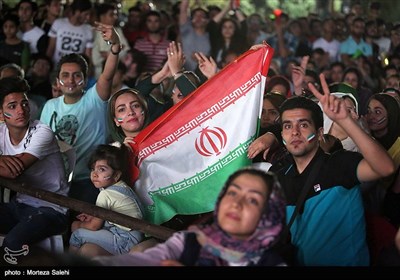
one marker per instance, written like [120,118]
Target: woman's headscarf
[219,246]
[393,110]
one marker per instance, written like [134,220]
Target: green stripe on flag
[204,186]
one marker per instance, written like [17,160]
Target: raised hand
[333,107]
[298,73]
[207,66]
[176,57]
[108,32]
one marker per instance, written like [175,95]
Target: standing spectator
[226,35]
[30,33]
[133,28]
[71,34]
[255,34]
[284,42]
[13,49]
[381,39]
[193,28]
[355,46]
[153,45]
[327,41]
[54,10]
[106,14]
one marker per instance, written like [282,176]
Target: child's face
[242,205]
[102,175]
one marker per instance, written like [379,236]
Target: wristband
[117,52]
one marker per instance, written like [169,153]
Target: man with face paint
[78,117]
[330,227]
[28,153]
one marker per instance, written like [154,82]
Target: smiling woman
[126,117]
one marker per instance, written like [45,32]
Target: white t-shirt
[47,173]
[331,47]
[31,37]
[70,38]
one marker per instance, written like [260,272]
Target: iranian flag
[186,155]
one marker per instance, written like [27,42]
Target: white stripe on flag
[182,170]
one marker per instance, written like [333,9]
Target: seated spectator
[30,154]
[93,236]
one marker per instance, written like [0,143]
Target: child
[93,236]
[248,219]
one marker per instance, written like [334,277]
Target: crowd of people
[330,125]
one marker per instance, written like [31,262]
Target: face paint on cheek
[7,115]
[80,83]
[106,177]
[311,137]
[381,120]
[120,120]
[284,142]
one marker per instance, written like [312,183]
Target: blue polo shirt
[330,231]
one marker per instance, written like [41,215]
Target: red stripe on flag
[231,78]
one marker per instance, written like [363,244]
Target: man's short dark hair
[81,5]
[198,9]
[10,85]
[152,13]
[300,102]
[73,58]
[34,6]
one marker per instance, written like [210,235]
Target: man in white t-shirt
[29,154]
[29,32]
[71,34]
